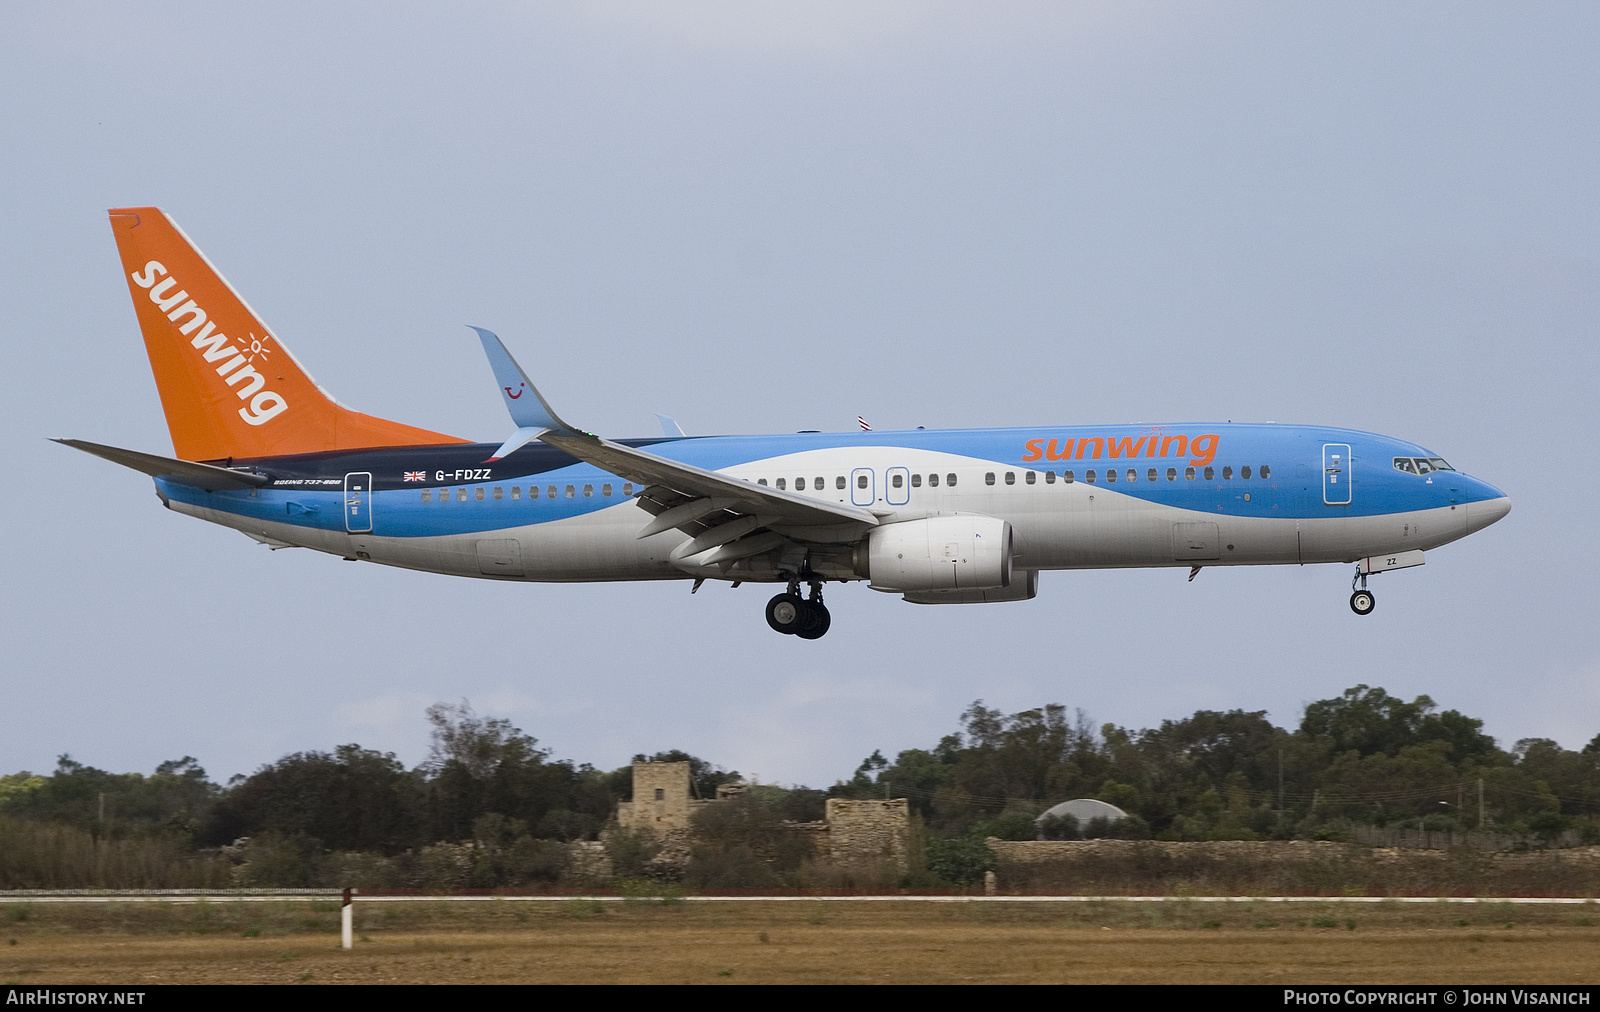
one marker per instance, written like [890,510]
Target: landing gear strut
[792,615]
[1361,600]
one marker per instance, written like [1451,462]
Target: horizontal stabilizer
[184,472]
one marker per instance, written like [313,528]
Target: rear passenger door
[358,502]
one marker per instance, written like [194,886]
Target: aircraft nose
[1484,512]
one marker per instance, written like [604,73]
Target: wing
[726,518]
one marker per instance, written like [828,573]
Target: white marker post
[347,920]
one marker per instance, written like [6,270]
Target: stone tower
[660,799]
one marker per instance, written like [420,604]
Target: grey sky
[764,218]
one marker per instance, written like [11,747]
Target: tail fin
[228,385]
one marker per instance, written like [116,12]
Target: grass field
[659,941]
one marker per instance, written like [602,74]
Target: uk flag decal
[416,476]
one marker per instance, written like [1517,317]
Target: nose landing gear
[792,615]
[1361,600]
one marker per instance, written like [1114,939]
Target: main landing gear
[1361,600]
[793,615]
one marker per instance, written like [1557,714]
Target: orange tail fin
[228,386]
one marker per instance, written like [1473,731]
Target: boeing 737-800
[939,517]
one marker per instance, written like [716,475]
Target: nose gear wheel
[1361,600]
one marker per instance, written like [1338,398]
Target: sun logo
[257,347]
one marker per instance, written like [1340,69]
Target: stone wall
[1286,867]
[1049,851]
[587,863]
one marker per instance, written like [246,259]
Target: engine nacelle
[964,551]
[1024,587]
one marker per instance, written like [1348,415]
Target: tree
[483,765]
[350,799]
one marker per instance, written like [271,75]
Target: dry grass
[652,942]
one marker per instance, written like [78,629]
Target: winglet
[669,426]
[529,413]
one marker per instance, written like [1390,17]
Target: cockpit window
[1421,465]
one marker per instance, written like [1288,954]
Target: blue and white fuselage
[1258,495]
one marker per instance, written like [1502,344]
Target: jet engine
[962,551]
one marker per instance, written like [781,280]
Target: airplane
[939,517]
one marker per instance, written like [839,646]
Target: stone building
[853,833]
[858,832]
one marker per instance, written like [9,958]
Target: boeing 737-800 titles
[939,517]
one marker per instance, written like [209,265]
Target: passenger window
[861,481]
[627,489]
[550,493]
[1227,474]
[950,479]
[461,495]
[1011,477]
[1049,477]
[1172,474]
[780,484]
[988,478]
[516,491]
[1266,472]
[1111,475]
[1150,475]
[572,493]
[838,482]
[1244,472]
[499,493]
[898,481]
[819,483]
[1066,477]
[1188,474]
[588,491]
[604,489]
[1133,475]
[761,481]
[1088,476]
[427,495]
[1211,474]
[478,494]
[916,481]
[1030,477]
[933,481]
[799,484]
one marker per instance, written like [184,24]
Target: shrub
[961,861]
